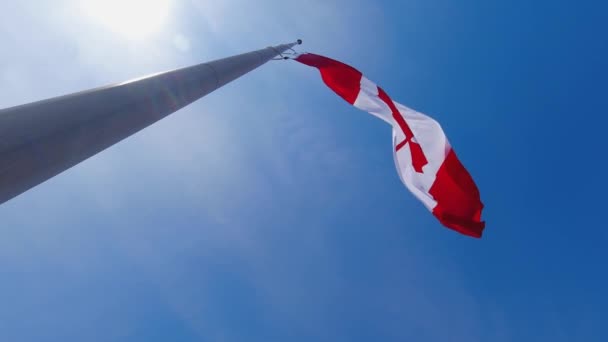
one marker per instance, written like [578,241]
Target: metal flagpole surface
[42,139]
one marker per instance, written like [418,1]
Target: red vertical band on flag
[339,77]
[458,200]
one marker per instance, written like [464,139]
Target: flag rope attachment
[289,55]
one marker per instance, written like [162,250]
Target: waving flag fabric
[425,161]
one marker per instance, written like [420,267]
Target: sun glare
[130,18]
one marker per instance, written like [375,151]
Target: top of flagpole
[42,139]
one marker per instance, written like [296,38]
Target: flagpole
[42,139]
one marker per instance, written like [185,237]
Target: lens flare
[130,18]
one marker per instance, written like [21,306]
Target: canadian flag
[424,158]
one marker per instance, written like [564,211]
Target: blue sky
[270,210]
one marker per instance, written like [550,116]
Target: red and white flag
[425,161]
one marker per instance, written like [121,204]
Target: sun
[130,18]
